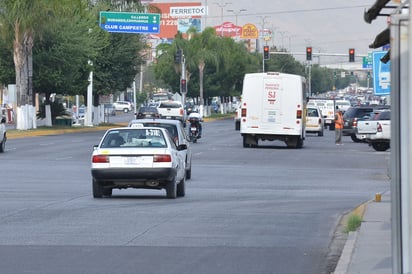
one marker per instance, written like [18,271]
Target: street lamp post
[282,34]
[221,6]
[263,20]
[236,13]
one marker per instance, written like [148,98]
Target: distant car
[138,157]
[314,121]
[3,135]
[82,113]
[147,112]
[124,106]
[172,110]
[176,130]
[342,105]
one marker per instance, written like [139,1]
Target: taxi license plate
[137,160]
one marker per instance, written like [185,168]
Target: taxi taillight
[100,159]
[162,158]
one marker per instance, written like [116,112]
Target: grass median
[60,129]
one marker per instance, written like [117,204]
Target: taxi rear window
[134,137]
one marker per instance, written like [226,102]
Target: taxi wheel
[181,188]
[189,173]
[3,146]
[97,189]
[107,192]
[171,191]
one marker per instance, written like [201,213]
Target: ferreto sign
[187,11]
[129,22]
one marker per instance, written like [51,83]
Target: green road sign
[129,22]
[367,61]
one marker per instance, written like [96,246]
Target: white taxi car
[138,157]
[314,121]
[178,133]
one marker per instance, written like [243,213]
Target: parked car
[176,130]
[3,134]
[124,106]
[138,157]
[109,110]
[314,121]
[147,112]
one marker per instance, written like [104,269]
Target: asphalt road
[247,210]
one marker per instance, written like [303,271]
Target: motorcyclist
[195,119]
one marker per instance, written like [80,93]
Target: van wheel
[237,125]
[245,144]
[299,142]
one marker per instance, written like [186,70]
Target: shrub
[354,221]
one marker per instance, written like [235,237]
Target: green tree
[23,20]
[62,53]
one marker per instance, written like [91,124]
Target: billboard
[176,17]
[228,29]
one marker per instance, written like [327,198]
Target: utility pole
[236,13]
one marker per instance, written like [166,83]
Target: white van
[273,108]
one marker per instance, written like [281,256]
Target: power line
[298,11]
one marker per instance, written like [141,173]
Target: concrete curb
[347,252]
[346,256]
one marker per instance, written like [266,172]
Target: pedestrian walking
[338,127]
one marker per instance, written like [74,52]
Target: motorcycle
[194,130]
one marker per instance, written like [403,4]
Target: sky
[328,26]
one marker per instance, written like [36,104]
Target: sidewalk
[368,250]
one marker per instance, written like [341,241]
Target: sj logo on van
[271,97]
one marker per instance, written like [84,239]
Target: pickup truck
[3,136]
[172,110]
[376,131]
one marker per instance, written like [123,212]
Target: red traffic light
[183,85]
[266,54]
[308,53]
[352,55]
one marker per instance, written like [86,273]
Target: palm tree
[22,20]
[202,51]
